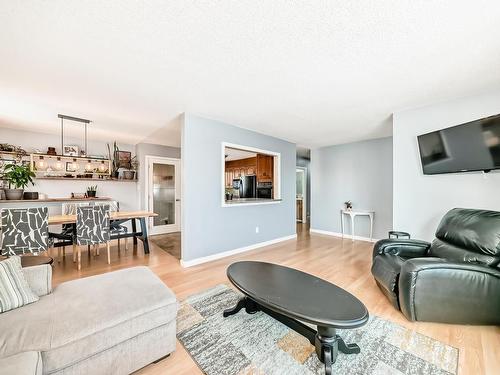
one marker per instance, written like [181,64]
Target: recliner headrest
[474,230]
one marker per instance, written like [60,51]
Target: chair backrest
[70,208]
[92,225]
[24,230]
[468,235]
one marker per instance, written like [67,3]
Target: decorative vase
[128,175]
[14,194]
[51,151]
[30,195]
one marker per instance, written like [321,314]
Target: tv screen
[473,146]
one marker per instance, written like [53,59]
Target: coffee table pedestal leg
[325,339]
[328,344]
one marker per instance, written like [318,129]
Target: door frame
[304,193]
[149,159]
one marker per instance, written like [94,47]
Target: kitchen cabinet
[265,168]
[238,168]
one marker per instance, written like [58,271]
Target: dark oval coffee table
[292,297]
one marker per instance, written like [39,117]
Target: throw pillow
[14,289]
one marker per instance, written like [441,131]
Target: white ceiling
[236,154]
[312,72]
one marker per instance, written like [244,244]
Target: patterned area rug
[257,344]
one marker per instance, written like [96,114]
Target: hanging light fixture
[75,165]
[58,164]
[102,167]
[88,166]
[42,164]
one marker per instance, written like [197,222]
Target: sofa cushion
[83,317]
[26,363]
[14,289]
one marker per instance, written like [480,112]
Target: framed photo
[123,159]
[70,150]
[70,167]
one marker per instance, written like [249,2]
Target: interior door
[163,195]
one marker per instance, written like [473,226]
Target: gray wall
[420,201]
[209,228]
[360,172]
[304,162]
[148,149]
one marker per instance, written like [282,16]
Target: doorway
[163,189]
[301,194]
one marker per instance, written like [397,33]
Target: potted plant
[229,194]
[129,174]
[18,176]
[348,205]
[91,191]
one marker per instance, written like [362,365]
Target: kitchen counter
[238,201]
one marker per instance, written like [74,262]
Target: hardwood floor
[342,262]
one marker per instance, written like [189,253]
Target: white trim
[148,159]
[224,254]
[304,193]
[336,234]
[277,172]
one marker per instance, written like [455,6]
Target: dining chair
[24,231]
[92,228]
[67,234]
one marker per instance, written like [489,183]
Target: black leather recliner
[456,279]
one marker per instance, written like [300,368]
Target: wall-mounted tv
[473,146]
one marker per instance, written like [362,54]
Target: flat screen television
[473,146]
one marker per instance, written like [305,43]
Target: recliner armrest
[437,290]
[401,247]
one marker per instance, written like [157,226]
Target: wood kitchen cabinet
[238,168]
[262,166]
[265,168]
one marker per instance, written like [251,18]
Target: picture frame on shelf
[123,159]
[70,167]
[71,150]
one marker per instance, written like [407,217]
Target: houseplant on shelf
[129,174]
[18,176]
[114,160]
[92,191]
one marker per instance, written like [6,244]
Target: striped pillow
[14,290]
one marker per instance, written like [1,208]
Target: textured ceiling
[312,72]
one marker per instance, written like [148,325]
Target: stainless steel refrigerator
[247,186]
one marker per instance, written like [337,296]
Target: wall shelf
[57,178]
[55,200]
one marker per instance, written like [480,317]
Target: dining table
[121,217]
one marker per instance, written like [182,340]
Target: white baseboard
[336,234]
[224,254]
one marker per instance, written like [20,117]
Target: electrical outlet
[256,229]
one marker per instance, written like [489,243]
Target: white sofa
[114,323]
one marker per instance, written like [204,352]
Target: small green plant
[18,176]
[92,188]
